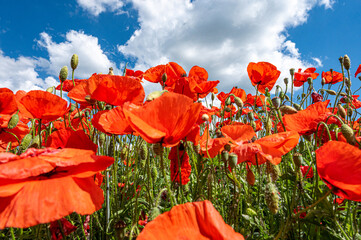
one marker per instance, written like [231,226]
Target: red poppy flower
[186,169]
[270,148]
[56,231]
[355,102]
[131,73]
[212,146]
[112,122]
[7,101]
[304,170]
[172,70]
[338,165]
[44,105]
[301,77]
[69,85]
[166,120]
[252,98]
[263,75]
[316,97]
[43,185]
[192,221]
[305,121]
[358,70]
[333,77]
[67,138]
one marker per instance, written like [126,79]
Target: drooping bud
[164,78]
[13,121]
[331,92]
[272,197]
[232,160]
[50,89]
[227,109]
[346,62]
[323,81]
[348,82]
[341,111]
[297,107]
[153,95]
[228,101]
[287,109]
[110,71]
[74,61]
[251,179]
[253,125]
[309,80]
[63,75]
[297,159]
[250,116]
[158,149]
[25,141]
[276,101]
[225,156]
[348,133]
[238,102]
[35,143]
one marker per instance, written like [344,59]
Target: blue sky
[39,37]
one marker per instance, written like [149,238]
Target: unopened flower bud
[297,107]
[331,92]
[348,82]
[297,159]
[101,139]
[346,62]
[26,141]
[154,172]
[272,197]
[287,109]
[276,101]
[212,96]
[72,107]
[250,177]
[310,80]
[13,121]
[341,111]
[50,89]
[238,102]
[253,125]
[250,116]
[273,171]
[143,151]
[341,60]
[323,81]
[110,71]
[63,73]
[348,133]
[74,61]
[228,101]
[232,160]
[225,155]
[227,109]
[154,212]
[158,149]
[164,78]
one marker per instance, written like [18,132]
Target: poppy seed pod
[348,133]
[110,71]
[63,73]
[276,101]
[292,71]
[285,80]
[346,62]
[297,159]
[74,61]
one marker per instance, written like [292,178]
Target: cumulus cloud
[91,56]
[222,37]
[96,7]
[20,73]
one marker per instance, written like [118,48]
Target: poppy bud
[154,172]
[348,82]
[348,133]
[297,107]
[197,148]
[212,96]
[349,112]
[251,212]
[35,143]
[238,102]
[232,160]
[25,141]
[205,118]
[124,153]
[158,149]
[72,107]
[323,81]
[101,139]
[143,151]
[228,101]
[110,71]
[272,197]
[282,95]
[250,177]
[331,92]
[341,60]
[74,61]
[341,111]
[292,71]
[346,62]
[276,101]
[250,116]
[225,156]
[63,73]
[111,149]
[253,125]
[50,89]
[285,80]
[297,159]
[154,212]
[153,95]
[227,109]
[287,109]
[309,80]
[164,78]
[238,114]
[273,171]
[268,126]
[13,121]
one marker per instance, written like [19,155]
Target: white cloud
[20,73]
[96,7]
[318,62]
[222,36]
[91,57]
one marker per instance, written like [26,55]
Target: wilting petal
[192,221]
[339,166]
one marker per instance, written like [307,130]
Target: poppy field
[98,159]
